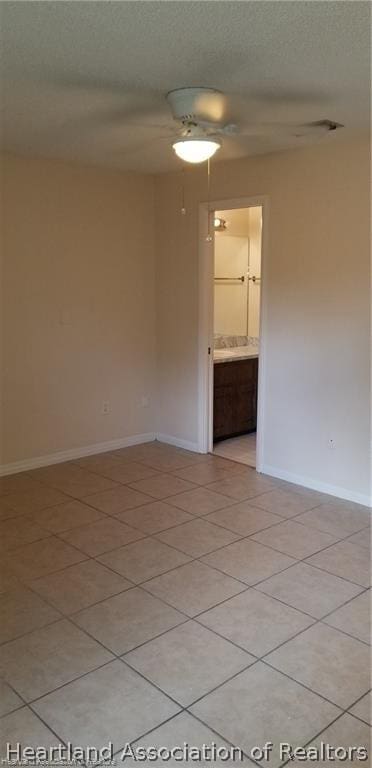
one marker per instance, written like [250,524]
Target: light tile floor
[155,596]
[241,449]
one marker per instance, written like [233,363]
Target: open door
[231,327]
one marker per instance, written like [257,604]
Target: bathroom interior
[237,294]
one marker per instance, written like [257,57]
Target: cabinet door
[223,410]
[245,407]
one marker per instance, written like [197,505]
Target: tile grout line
[296,561]
[25,705]
[186,708]
[185,711]
[263,660]
[348,581]
[195,617]
[240,536]
[249,666]
[164,499]
[277,483]
[344,710]
[247,586]
[191,618]
[314,620]
[140,584]
[317,735]
[31,631]
[203,516]
[120,657]
[256,659]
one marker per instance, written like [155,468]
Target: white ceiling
[87,80]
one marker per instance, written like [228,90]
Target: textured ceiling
[87,80]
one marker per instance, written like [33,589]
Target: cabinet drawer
[236,371]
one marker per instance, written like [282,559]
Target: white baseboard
[125,442]
[179,443]
[74,453]
[315,485]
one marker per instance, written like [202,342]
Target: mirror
[237,273]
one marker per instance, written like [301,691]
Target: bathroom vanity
[235,391]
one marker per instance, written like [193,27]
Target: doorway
[231,321]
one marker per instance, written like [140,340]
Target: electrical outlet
[105,407]
[331,444]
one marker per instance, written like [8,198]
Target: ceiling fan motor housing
[192,104]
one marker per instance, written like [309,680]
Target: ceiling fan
[201,114]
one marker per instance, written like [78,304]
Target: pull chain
[183,206]
[209,235]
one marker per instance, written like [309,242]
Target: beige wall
[78,305]
[317,294]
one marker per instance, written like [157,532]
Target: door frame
[206,312]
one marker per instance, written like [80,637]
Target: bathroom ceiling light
[220,224]
[195,150]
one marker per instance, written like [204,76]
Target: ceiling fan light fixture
[195,150]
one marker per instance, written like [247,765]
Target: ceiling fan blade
[278,105]
[287,97]
[315,129]
[119,100]
[143,145]
[127,91]
[146,120]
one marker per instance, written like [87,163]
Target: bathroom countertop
[228,354]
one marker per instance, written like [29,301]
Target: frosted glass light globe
[195,150]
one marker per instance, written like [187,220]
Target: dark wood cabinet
[235,398]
